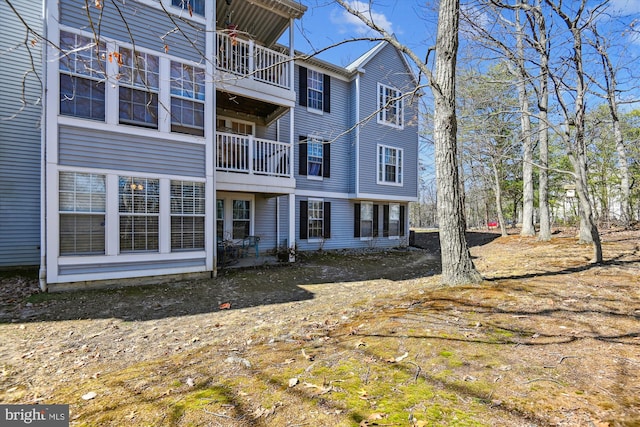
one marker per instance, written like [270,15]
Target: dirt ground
[344,338]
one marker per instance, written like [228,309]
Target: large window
[82,73]
[139,206]
[187,99]
[138,88]
[390,106]
[82,213]
[241,219]
[193,6]
[389,165]
[187,215]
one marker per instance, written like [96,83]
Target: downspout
[277,197]
[42,273]
[292,197]
[357,133]
[210,167]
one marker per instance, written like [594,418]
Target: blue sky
[412,21]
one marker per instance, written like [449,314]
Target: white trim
[357,135]
[399,99]
[399,166]
[119,172]
[314,110]
[130,257]
[129,130]
[315,200]
[320,194]
[385,198]
[227,216]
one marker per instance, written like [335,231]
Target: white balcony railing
[247,154]
[246,59]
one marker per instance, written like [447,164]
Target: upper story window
[187,99]
[389,165]
[314,157]
[314,90]
[390,106]
[138,88]
[82,74]
[193,6]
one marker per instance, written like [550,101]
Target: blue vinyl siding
[148,26]
[108,150]
[327,126]
[387,68]
[20,134]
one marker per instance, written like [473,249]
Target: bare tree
[457,265]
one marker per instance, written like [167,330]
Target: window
[392,220]
[193,6]
[314,157]
[315,219]
[365,224]
[139,201]
[389,165]
[220,219]
[187,215]
[241,219]
[390,106]
[187,99]
[82,73]
[138,88]
[314,90]
[82,213]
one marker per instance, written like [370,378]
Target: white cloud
[348,23]
[624,7]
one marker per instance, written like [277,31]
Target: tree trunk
[498,191]
[623,166]
[457,266]
[544,233]
[528,227]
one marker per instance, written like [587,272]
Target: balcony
[244,59]
[243,160]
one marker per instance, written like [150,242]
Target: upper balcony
[246,163]
[252,78]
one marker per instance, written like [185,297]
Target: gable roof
[371,53]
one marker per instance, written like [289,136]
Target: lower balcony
[246,163]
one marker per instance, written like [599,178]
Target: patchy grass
[351,340]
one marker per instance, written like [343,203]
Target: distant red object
[492,224]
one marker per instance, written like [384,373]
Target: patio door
[234,216]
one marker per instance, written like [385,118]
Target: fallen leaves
[90,395]
[225,306]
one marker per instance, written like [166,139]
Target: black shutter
[356,220]
[385,221]
[302,86]
[326,233]
[326,94]
[326,159]
[402,220]
[304,220]
[302,155]
[375,220]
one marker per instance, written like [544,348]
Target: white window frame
[362,220]
[320,219]
[141,79]
[86,201]
[381,165]
[186,207]
[393,206]
[181,92]
[390,98]
[227,213]
[149,212]
[315,141]
[315,83]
